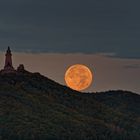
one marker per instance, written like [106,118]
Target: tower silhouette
[8,59]
[8,67]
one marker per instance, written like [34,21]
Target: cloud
[132,66]
[75,26]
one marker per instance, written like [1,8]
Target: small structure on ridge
[8,67]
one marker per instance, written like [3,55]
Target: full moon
[78,77]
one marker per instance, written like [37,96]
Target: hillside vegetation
[33,107]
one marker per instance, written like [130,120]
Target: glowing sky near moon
[110,73]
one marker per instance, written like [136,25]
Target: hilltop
[34,107]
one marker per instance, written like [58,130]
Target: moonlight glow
[78,77]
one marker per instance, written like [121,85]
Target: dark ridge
[34,107]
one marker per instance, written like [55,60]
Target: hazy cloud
[132,66]
[83,26]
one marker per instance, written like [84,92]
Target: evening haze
[109,73]
[49,36]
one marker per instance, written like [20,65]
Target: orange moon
[78,77]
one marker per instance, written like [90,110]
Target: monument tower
[8,67]
[8,60]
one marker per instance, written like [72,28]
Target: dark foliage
[33,107]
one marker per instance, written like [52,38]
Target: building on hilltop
[8,60]
[8,67]
[20,68]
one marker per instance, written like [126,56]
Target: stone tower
[8,67]
[8,60]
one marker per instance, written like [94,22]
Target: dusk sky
[50,35]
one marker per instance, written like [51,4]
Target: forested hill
[33,107]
